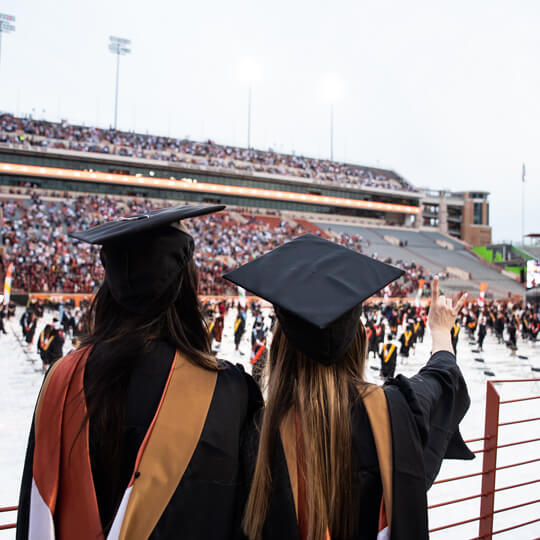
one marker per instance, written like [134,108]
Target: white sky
[445,93]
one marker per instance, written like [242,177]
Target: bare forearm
[441,341]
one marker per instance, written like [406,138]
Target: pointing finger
[435,290]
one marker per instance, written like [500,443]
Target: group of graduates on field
[215,314]
[395,330]
[51,339]
[7,311]
[391,331]
[504,320]
[383,327]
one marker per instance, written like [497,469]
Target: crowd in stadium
[35,237]
[31,132]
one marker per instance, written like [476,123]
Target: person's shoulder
[233,373]
[240,383]
[234,370]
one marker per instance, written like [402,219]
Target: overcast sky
[445,93]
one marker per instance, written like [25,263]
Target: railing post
[489,465]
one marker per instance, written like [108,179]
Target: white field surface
[21,377]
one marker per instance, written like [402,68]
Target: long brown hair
[119,338]
[321,396]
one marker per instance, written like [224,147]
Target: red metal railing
[7,509]
[488,472]
[490,468]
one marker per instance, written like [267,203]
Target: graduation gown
[481,334]
[373,342]
[54,352]
[2,315]
[425,411]
[209,484]
[534,328]
[388,357]
[407,341]
[28,327]
[218,328]
[43,345]
[454,335]
[239,328]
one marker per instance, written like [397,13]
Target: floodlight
[118,46]
[332,88]
[332,91]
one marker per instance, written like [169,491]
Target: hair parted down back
[321,395]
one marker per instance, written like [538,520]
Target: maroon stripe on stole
[77,512]
[61,466]
[48,427]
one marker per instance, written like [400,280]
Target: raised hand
[442,316]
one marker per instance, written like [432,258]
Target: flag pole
[523,232]
[523,206]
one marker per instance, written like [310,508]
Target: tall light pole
[120,47]
[332,92]
[249,118]
[523,174]
[249,72]
[331,132]
[6,26]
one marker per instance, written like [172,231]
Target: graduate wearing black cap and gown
[388,356]
[138,435]
[317,288]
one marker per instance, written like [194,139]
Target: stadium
[376,211]
[60,179]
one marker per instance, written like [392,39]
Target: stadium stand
[35,226]
[29,132]
[421,247]
[533,251]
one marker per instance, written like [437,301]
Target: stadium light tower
[249,72]
[7,26]
[120,47]
[332,92]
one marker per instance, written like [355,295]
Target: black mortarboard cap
[143,255]
[317,288]
[129,225]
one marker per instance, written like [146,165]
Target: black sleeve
[23,513]
[438,399]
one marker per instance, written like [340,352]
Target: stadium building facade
[57,170]
[463,214]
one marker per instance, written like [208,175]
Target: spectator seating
[421,247]
[39,133]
